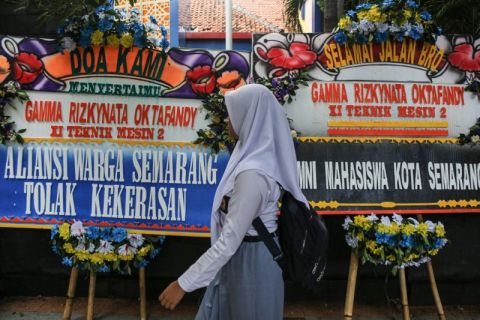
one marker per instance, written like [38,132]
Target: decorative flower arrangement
[216,137]
[103,249]
[395,242]
[473,136]
[398,19]
[10,91]
[112,27]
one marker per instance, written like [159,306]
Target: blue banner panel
[151,188]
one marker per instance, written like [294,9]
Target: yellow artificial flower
[408,229]
[64,231]
[374,14]
[68,248]
[407,14]
[113,41]
[439,231]
[371,245]
[96,258]
[422,228]
[378,251]
[382,228]
[110,257]
[391,257]
[82,255]
[344,22]
[126,258]
[393,229]
[362,222]
[433,252]
[360,236]
[127,40]
[362,15]
[97,37]
[411,257]
[418,18]
[144,251]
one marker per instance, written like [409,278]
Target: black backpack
[303,241]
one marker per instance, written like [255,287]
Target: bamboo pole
[433,284]
[72,285]
[91,295]
[404,295]
[352,280]
[143,294]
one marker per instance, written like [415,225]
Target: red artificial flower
[201,79]
[230,80]
[465,57]
[298,56]
[4,68]
[26,67]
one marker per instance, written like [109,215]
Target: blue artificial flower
[388,3]
[104,269]
[381,237]
[361,38]
[105,7]
[381,37]
[363,6]
[122,28]
[119,234]
[134,11]
[105,25]
[137,27]
[67,261]
[106,234]
[425,15]
[154,253]
[54,231]
[351,13]
[138,40]
[153,20]
[93,233]
[407,241]
[412,4]
[164,43]
[439,243]
[142,263]
[415,34]
[55,249]
[399,36]
[438,31]
[164,31]
[340,37]
[61,31]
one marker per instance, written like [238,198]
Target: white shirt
[254,194]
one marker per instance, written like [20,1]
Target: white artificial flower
[386,221]
[475,138]
[353,27]
[69,44]
[136,240]
[80,246]
[394,28]
[85,17]
[126,250]
[105,247]
[77,229]
[397,218]
[372,217]
[91,248]
[381,27]
[101,15]
[414,221]
[351,241]
[294,134]
[347,223]
[431,226]
[406,28]
[366,26]
[419,27]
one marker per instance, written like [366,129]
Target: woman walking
[244,282]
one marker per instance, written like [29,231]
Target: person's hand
[171,296]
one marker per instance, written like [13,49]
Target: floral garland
[398,19]
[10,91]
[397,242]
[103,249]
[472,137]
[216,137]
[113,27]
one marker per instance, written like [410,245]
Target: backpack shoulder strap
[267,238]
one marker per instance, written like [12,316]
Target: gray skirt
[248,287]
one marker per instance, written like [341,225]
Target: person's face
[233,135]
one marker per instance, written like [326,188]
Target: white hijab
[265,143]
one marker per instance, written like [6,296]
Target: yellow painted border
[391,204]
[388,124]
[124,142]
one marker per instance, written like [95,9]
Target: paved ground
[51,308]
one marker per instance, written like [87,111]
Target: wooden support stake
[433,284]
[404,296]
[352,280]
[143,294]
[91,295]
[72,285]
